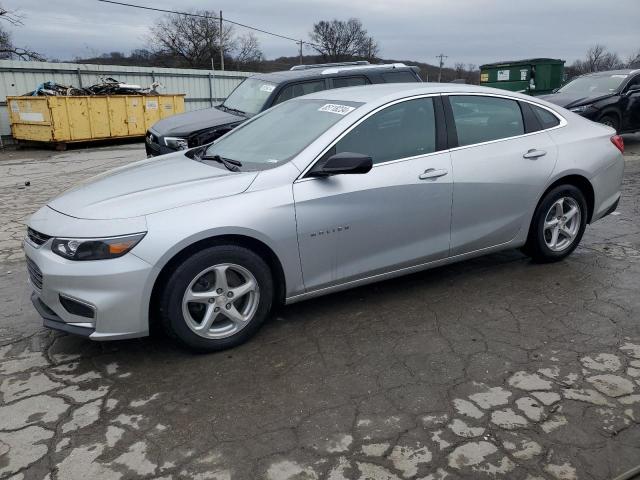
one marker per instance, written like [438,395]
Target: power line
[212,17]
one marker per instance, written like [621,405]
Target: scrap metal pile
[108,86]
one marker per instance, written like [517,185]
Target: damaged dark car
[262,91]
[611,98]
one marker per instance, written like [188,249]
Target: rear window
[399,77]
[341,82]
[482,119]
[546,118]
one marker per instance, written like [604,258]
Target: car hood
[150,186]
[569,100]
[185,124]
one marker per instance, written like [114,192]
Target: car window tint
[402,130]
[546,118]
[399,77]
[299,89]
[340,82]
[481,119]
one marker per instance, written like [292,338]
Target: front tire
[557,225]
[610,121]
[217,298]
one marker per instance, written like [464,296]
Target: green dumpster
[535,76]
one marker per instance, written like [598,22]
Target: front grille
[37,238]
[35,275]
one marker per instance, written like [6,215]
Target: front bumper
[115,290]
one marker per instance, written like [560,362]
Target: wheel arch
[579,181]
[257,246]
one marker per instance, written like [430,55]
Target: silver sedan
[318,194]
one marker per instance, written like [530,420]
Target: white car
[318,194]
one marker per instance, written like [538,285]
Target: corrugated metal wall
[203,88]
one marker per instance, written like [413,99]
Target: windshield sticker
[339,109]
[619,76]
[272,160]
[267,88]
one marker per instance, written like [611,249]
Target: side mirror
[341,164]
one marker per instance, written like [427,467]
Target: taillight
[618,142]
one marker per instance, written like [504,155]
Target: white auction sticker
[334,108]
[267,88]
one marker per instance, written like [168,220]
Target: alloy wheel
[562,224]
[220,301]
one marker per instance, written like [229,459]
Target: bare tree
[194,41]
[337,40]
[7,49]
[598,59]
[634,60]
[248,50]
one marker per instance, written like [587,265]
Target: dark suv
[261,91]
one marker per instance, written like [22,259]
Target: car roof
[624,71]
[391,91]
[323,72]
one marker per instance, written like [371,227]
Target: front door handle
[533,153]
[432,173]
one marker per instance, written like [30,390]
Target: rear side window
[340,82]
[481,119]
[299,89]
[545,117]
[399,77]
[402,130]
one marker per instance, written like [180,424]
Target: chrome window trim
[563,121]
[302,177]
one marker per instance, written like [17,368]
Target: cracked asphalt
[491,368]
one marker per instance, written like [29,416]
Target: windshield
[281,133]
[594,84]
[249,96]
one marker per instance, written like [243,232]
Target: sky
[468,31]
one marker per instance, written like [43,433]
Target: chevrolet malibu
[318,194]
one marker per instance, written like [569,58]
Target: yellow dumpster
[61,120]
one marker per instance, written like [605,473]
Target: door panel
[353,226]
[495,188]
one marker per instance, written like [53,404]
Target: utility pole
[221,47]
[441,57]
[300,51]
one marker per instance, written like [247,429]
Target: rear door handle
[432,173]
[533,153]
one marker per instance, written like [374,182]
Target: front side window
[299,89]
[250,96]
[402,130]
[281,133]
[481,119]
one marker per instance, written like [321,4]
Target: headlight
[580,109]
[177,143]
[95,248]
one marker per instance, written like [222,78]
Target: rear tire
[557,225]
[217,298]
[610,121]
